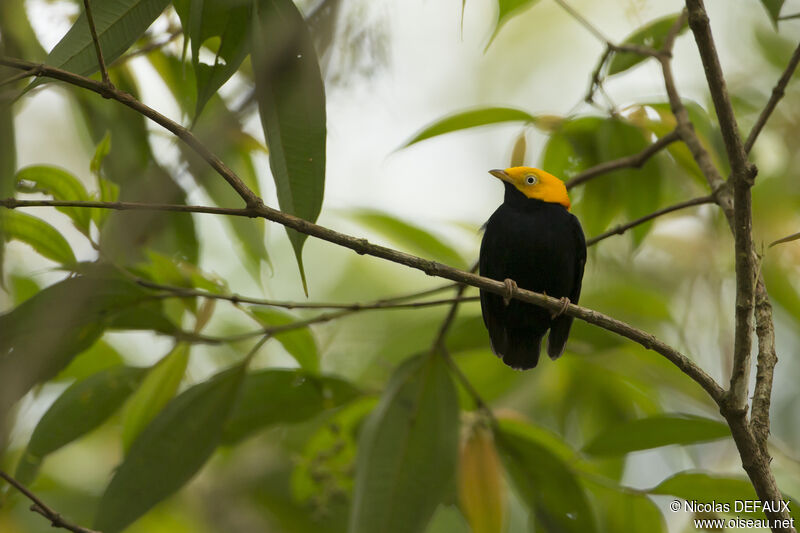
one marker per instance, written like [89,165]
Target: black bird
[531,239]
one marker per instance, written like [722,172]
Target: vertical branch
[100,61]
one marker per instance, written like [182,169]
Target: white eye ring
[530,180]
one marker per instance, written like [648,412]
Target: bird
[531,241]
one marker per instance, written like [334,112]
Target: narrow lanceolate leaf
[655,431]
[8,163]
[651,35]
[694,485]
[156,390]
[481,490]
[59,184]
[407,451]
[299,342]
[507,9]
[291,102]
[118,23]
[554,496]
[283,397]
[37,233]
[228,21]
[471,119]
[170,450]
[773,8]
[410,237]
[82,407]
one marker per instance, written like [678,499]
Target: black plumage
[540,245]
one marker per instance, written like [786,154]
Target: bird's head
[535,183]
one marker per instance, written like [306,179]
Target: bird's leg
[564,304]
[511,288]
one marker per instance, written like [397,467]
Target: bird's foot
[564,304]
[511,288]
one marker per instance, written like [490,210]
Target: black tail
[559,331]
[522,350]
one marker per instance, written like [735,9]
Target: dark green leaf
[699,485]
[471,119]
[170,450]
[118,23]
[37,233]
[82,407]
[299,342]
[291,102]
[507,9]
[651,35]
[546,484]
[157,388]
[773,8]
[407,450]
[410,237]
[655,431]
[100,153]
[621,510]
[283,396]
[61,185]
[8,163]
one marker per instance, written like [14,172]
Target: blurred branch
[583,22]
[96,41]
[35,71]
[788,238]
[630,161]
[38,506]
[777,94]
[146,49]
[619,230]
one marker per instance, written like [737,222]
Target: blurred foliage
[353,421]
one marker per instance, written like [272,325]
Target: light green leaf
[118,23]
[291,102]
[158,388]
[37,233]
[407,450]
[506,10]
[692,485]
[298,342]
[100,153]
[170,450]
[409,237]
[481,489]
[548,487]
[61,185]
[81,408]
[621,510]
[656,431]
[100,356]
[471,119]
[773,8]
[283,397]
[651,35]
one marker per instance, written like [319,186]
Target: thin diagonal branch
[619,230]
[583,22]
[629,161]
[98,51]
[56,520]
[775,97]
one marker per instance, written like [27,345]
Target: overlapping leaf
[471,119]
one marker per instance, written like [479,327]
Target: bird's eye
[530,180]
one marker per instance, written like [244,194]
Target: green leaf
[773,8]
[43,334]
[170,450]
[506,10]
[621,510]
[653,34]
[471,119]
[99,356]
[546,484]
[119,23]
[690,485]
[291,102]
[158,388]
[572,147]
[774,47]
[81,408]
[656,431]
[229,21]
[283,397]
[37,233]
[298,342]
[61,185]
[407,450]
[409,237]
[8,164]
[481,490]
[100,153]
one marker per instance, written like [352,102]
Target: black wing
[559,330]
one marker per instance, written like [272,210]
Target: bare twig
[38,506]
[146,49]
[21,76]
[100,61]
[583,22]
[629,161]
[788,238]
[619,230]
[775,97]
